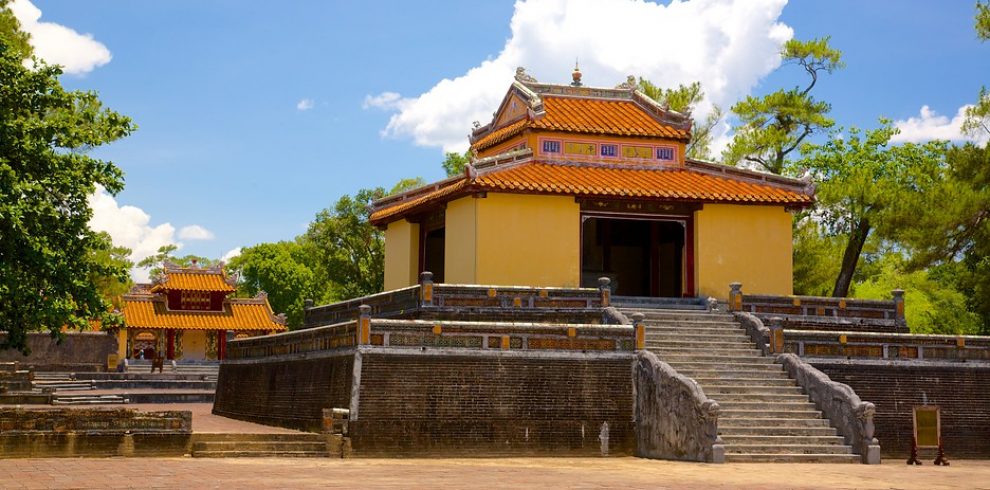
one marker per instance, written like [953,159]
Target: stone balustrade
[824,313]
[851,416]
[674,418]
[119,421]
[891,346]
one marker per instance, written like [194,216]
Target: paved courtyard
[522,473]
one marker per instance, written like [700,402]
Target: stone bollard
[735,296]
[776,335]
[605,288]
[640,329]
[426,288]
[364,325]
[898,295]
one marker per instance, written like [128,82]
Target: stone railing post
[735,296]
[640,329]
[605,288]
[364,325]
[308,303]
[898,295]
[426,288]
[776,335]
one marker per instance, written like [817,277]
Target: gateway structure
[188,314]
[573,183]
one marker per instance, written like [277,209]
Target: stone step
[715,382]
[716,391]
[709,361]
[682,352]
[803,440]
[776,431]
[89,400]
[703,345]
[762,422]
[770,448]
[767,415]
[259,454]
[260,446]
[770,406]
[244,437]
[729,374]
[725,399]
[696,337]
[791,458]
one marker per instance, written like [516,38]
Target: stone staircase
[208,371]
[59,399]
[765,416]
[301,445]
[60,382]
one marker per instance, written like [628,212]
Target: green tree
[983,20]
[284,270]
[867,185]
[816,254]
[684,99]
[46,246]
[772,127]
[454,163]
[166,253]
[11,34]
[116,261]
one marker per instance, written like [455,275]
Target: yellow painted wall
[529,240]
[459,252]
[122,343]
[193,345]
[747,244]
[401,254]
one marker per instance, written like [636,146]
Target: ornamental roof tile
[194,280]
[706,183]
[588,116]
[147,311]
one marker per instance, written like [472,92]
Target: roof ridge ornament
[576,75]
[523,77]
[629,84]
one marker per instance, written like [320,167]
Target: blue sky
[217,87]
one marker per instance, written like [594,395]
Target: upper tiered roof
[210,279]
[620,117]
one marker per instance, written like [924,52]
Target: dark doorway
[643,257]
[431,252]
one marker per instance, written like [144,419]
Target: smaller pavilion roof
[211,279]
[250,314]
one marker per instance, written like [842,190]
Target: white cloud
[305,104]
[727,45]
[929,125]
[231,254]
[58,44]
[195,232]
[384,100]
[129,226]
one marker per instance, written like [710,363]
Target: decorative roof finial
[524,77]
[576,75]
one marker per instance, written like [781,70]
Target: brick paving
[521,473]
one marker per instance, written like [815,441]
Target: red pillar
[170,344]
[221,344]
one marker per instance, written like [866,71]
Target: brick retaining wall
[493,403]
[79,351]
[285,392]
[960,389]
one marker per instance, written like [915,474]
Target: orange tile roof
[501,134]
[606,180]
[598,116]
[150,312]
[194,280]
[629,181]
[589,116]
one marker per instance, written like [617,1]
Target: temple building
[572,183]
[188,314]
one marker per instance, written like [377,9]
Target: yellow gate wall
[743,243]
[401,254]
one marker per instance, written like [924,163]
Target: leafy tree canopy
[983,20]
[284,270]
[47,251]
[867,185]
[772,127]
[166,253]
[454,163]
[684,99]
